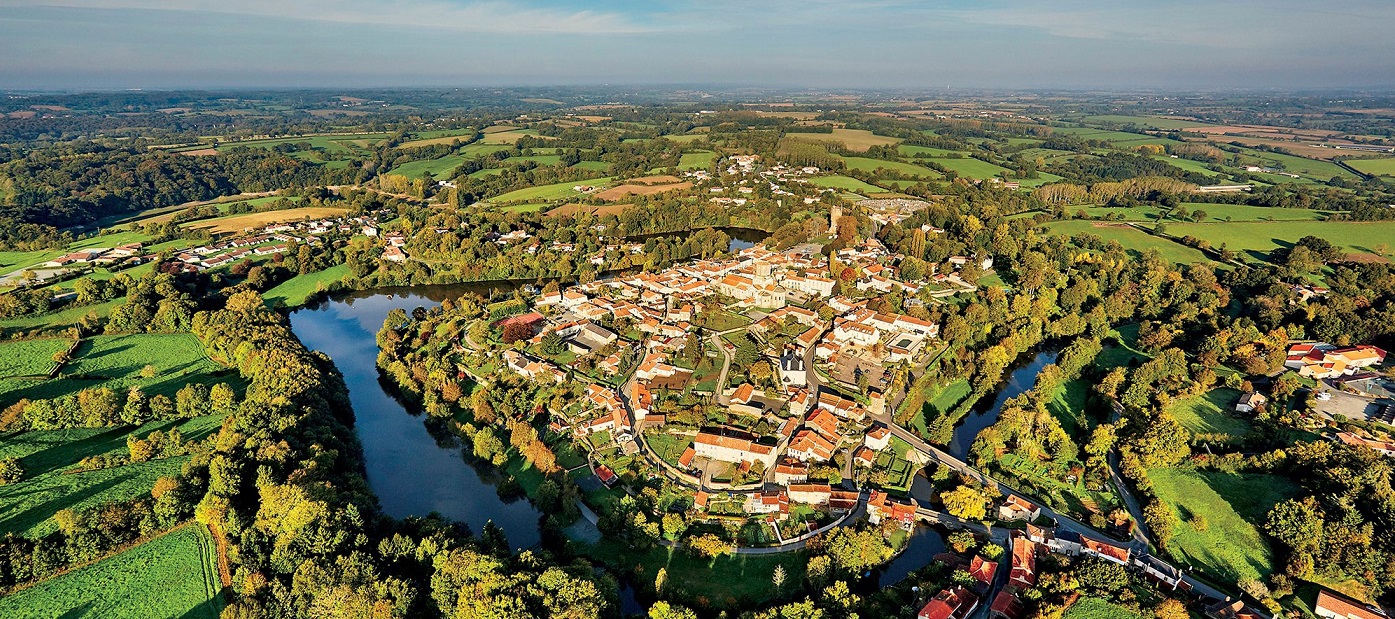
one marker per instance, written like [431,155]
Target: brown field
[856,140]
[238,223]
[200,152]
[662,179]
[51,108]
[351,99]
[23,114]
[1265,131]
[508,137]
[623,191]
[175,110]
[498,129]
[577,209]
[329,113]
[545,101]
[591,119]
[1298,148]
[1367,257]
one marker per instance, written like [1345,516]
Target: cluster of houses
[101,256]
[271,239]
[1322,360]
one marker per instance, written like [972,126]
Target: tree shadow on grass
[35,514]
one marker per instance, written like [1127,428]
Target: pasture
[510,137]
[62,318]
[699,160]
[1375,167]
[296,290]
[48,457]
[621,192]
[1259,238]
[846,183]
[1211,413]
[905,170]
[437,168]
[911,151]
[173,575]
[1219,516]
[116,361]
[239,223]
[1133,239]
[30,357]
[557,191]
[431,138]
[856,140]
[971,168]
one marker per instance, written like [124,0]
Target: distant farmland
[857,140]
[1375,167]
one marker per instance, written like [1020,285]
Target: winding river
[1019,381]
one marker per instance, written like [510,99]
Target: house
[730,445]
[1249,401]
[1106,551]
[394,254]
[864,457]
[774,502]
[1228,609]
[843,500]
[606,475]
[983,570]
[809,445]
[1018,508]
[789,471]
[1162,574]
[877,438]
[1384,448]
[1005,606]
[792,371]
[810,494]
[1333,606]
[1323,360]
[955,603]
[882,507]
[1024,563]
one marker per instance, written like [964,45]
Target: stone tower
[833,216]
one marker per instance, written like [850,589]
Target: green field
[1257,237]
[1377,167]
[971,168]
[700,160]
[478,148]
[174,575]
[725,581]
[116,361]
[438,168]
[1096,608]
[1189,165]
[556,191]
[1233,505]
[294,291]
[684,139]
[911,151]
[1146,122]
[1133,239]
[47,456]
[1311,168]
[1211,413]
[903,169]
[30,357]
[332,144]
[846,183]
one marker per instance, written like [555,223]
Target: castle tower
[833,217]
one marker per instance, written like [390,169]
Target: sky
[930,44]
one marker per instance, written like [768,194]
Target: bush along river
[412,472]
[1019,381]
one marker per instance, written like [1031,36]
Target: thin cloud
[481,17]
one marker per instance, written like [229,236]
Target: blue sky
[1283,44]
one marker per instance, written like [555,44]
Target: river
[411,472]
[1019,381]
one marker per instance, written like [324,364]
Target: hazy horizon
[877,44]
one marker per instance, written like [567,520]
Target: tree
[777,578]
[1102,575]
[221,398]
[962,541]
[1160,520]
[1297,523]
[965,503]
[1171,608]
[664,610]
[11,471]
[708,546]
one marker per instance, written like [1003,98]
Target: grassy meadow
[116,361]
[1375,167]
[1211,413]
[846,183]
[1135,240]
[1257,238]
[174,575]
[556,191]
[30,357]
[1219,516]
[296,290]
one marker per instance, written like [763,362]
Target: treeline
[79,183]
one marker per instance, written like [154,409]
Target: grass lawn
[116,361]
[1067,405]
[296,290]
[555,191]
[30,357]
[846,183]
[1136,241]
[911,151]
[1211,413]
[725,582]
[174,575]
[1376,167]
[1096,608]
[667,446]
[1258,238]
[721,320]
[1233,505]
[940,402]
[1190,165]
[47,456]
[480,148]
